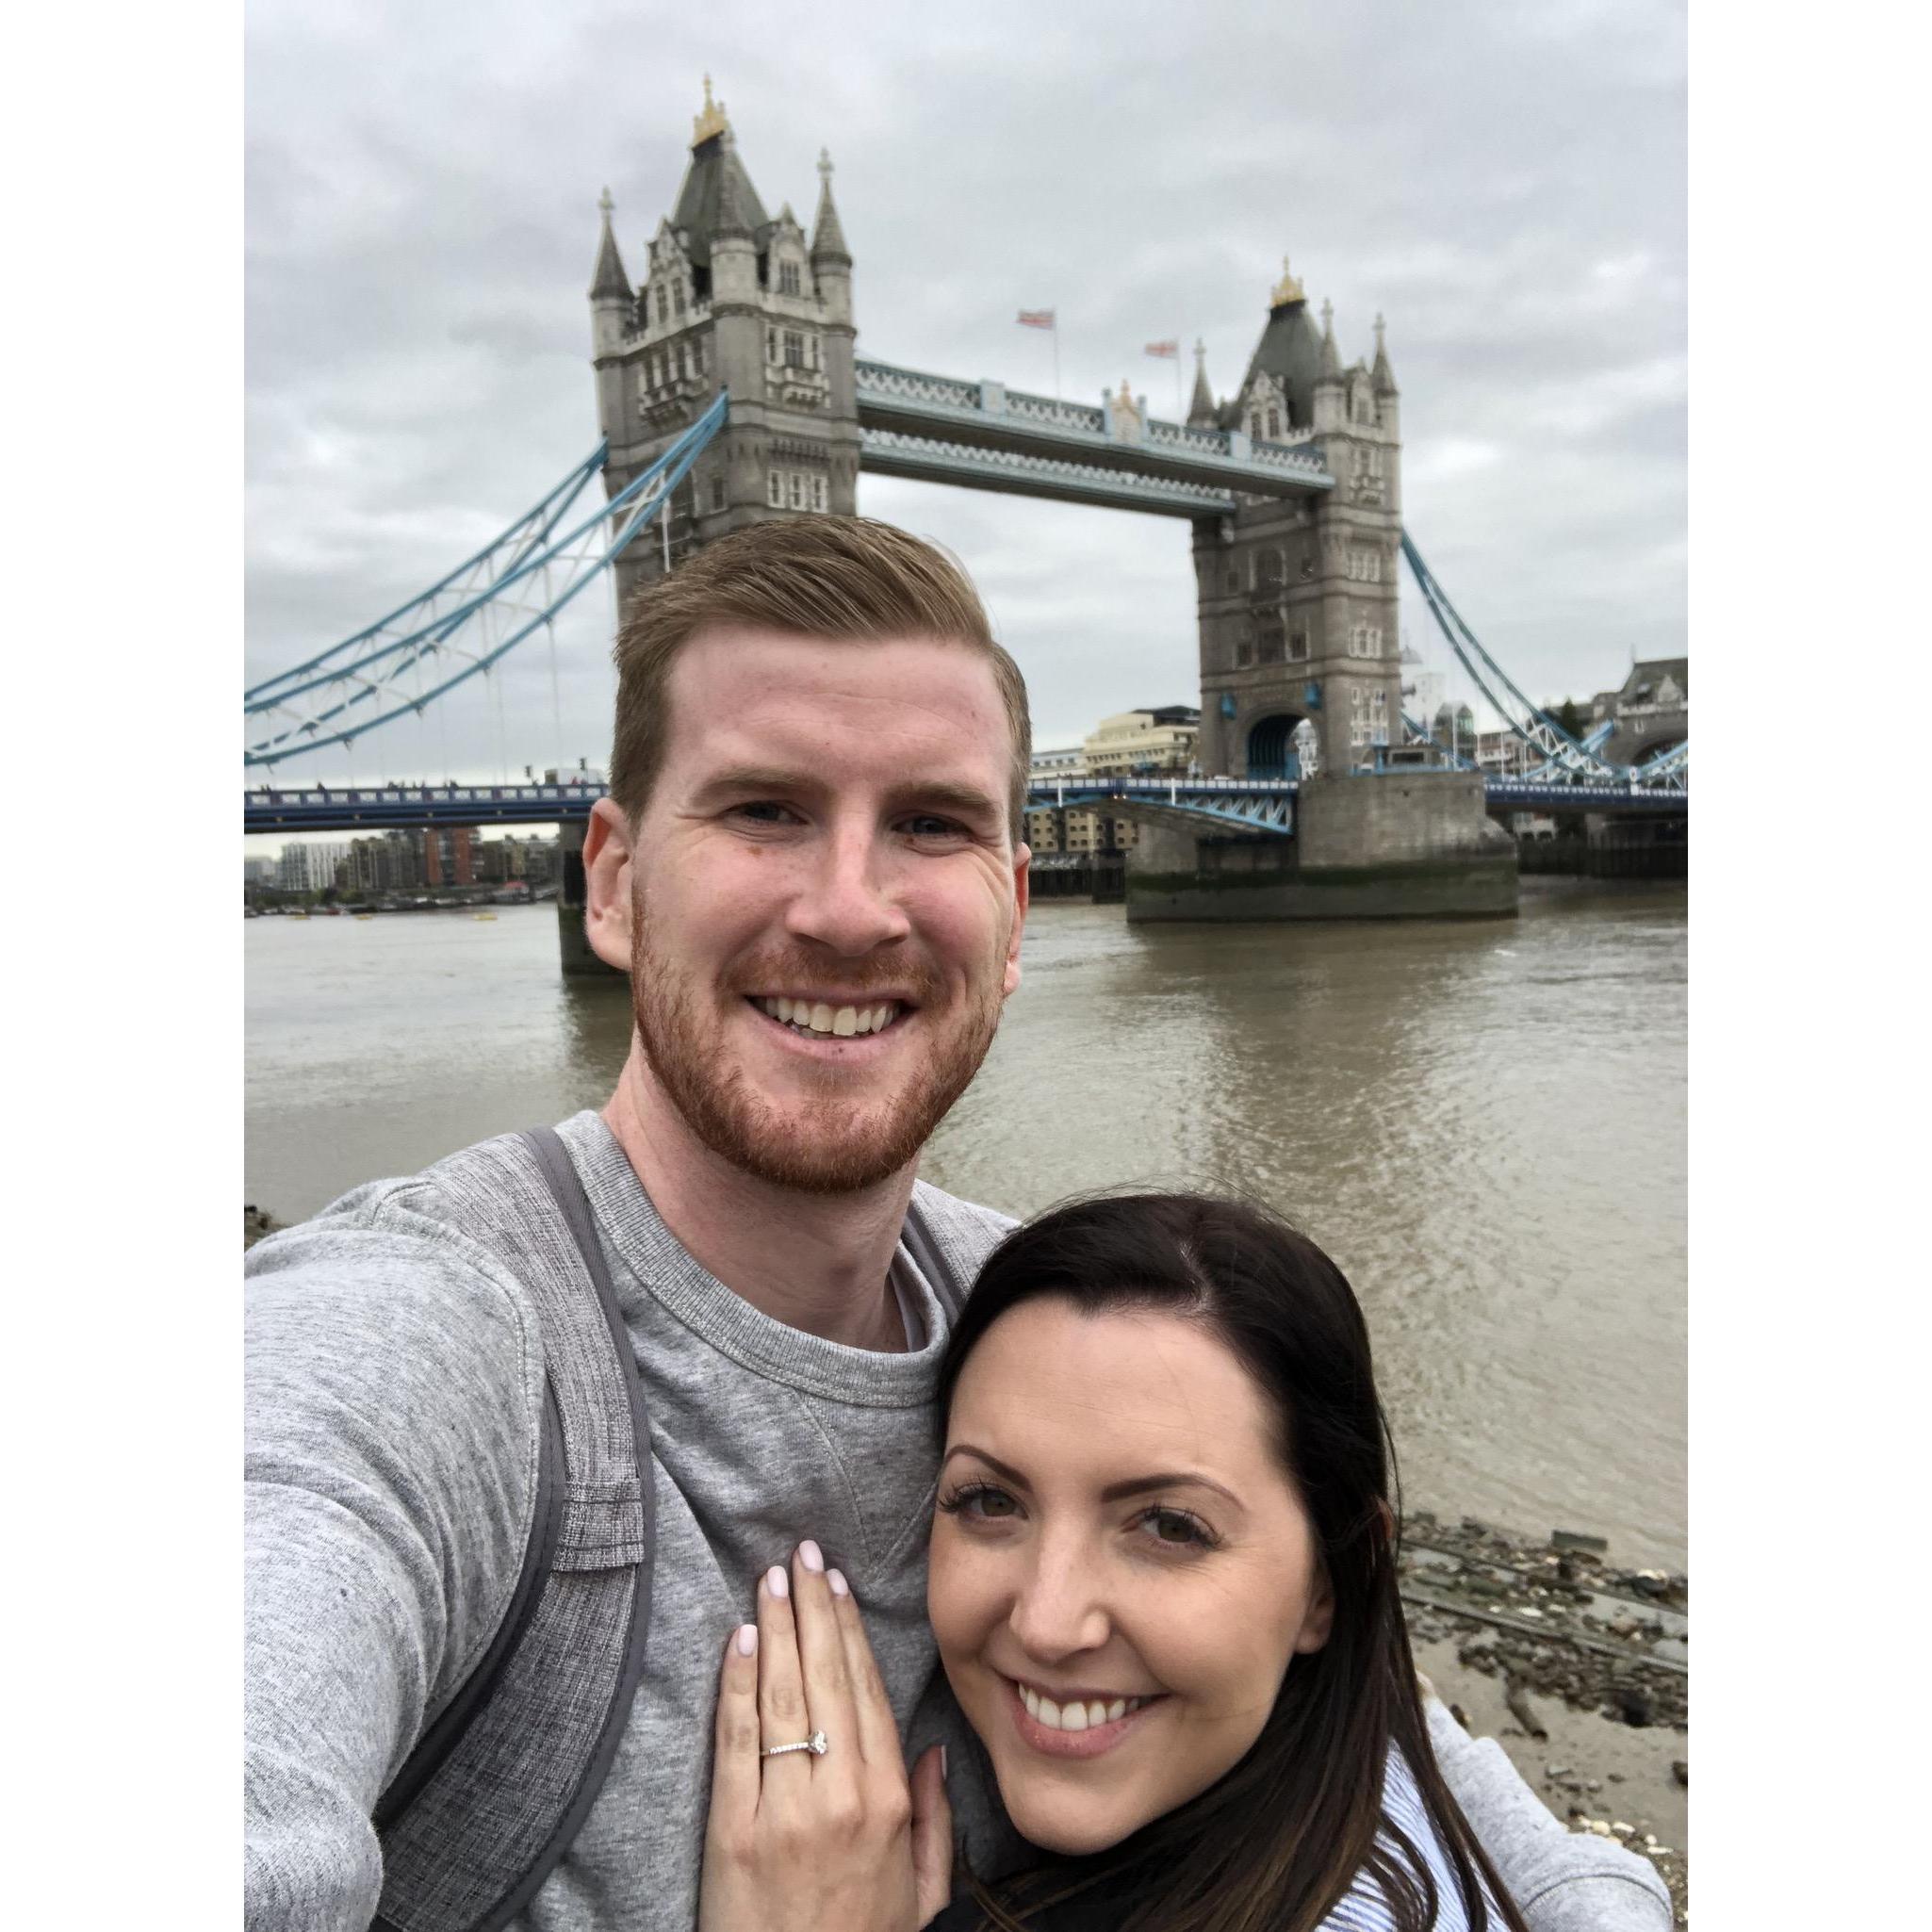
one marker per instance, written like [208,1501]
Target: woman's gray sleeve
[392,1421]
[1562,1881]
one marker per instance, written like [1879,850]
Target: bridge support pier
[1410,845]
[573,948]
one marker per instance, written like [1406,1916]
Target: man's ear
[1023,872]
[607,885]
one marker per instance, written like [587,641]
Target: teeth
[842,1021]
[1076,1716]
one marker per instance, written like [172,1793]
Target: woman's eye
[1177,1529]
[981,1502]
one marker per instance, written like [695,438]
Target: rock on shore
[1579,1669]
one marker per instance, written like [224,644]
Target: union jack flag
[1168,352]
[1036,319]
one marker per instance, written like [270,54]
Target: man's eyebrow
[949,796]
[1114,1492]
[754,778]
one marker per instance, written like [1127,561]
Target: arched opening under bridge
[1282,745]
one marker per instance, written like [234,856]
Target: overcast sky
[1505,181]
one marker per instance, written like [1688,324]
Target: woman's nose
[1059,1609]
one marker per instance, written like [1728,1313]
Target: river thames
[1483,1122]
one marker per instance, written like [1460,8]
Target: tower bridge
[728,391]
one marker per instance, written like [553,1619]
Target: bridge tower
[1299,648]
[738,300]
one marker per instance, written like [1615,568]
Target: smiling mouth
[823,1019]
[1076,1726]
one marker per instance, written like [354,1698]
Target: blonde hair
[828,576]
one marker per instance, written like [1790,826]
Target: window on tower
[795,349]
[678,299]
[787,278]
[663,304]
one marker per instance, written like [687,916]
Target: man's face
[825,902]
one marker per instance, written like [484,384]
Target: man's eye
[764,811]
[926,824]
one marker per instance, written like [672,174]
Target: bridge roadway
[984,436]
[1255,806]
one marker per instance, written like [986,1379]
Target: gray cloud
[1505,181]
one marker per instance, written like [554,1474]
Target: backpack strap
[501,1781]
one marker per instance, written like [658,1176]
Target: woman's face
[1122,1570]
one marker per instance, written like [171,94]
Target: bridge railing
[882,382]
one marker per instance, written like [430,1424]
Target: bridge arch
[1281,744]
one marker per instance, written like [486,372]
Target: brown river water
[1483,1122]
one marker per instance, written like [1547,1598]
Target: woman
[1164,1592]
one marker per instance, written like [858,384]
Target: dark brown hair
[828,576]
[1277,1840]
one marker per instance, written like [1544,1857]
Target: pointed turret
[716,197]
[827,236]
[609,279]
[1200,410]
[1384,375]
[1331,355]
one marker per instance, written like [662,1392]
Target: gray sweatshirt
[393,1406]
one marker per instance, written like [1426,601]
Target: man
[809,865]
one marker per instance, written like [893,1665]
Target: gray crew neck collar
[654,1265]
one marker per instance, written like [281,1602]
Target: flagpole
[1055,333]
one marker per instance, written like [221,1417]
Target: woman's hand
[804,1842]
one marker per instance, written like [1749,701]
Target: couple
[809,867]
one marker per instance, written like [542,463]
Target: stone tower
[1300,650]
[737,300]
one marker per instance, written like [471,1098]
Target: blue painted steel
[928,459]
[536,523]
[666,474]
[945,408]
[1246,804]
[1529,721]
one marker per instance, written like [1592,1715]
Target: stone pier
[1407,845]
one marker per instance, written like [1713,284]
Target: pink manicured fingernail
[777,1581]
[748,1638]
[837,1580]
[811,1555]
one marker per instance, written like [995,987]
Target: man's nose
[846,900]
[1060,1610]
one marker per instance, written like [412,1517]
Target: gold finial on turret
[1287,289]
[711,121]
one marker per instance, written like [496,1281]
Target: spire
[828,237]
[1331,355]
[709,124]
[1200,408]
[609,278]
[1287,289]
[1384,376]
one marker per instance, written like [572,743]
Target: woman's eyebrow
[1114,1492]
[1005,1471]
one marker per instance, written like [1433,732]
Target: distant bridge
[1255,806]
